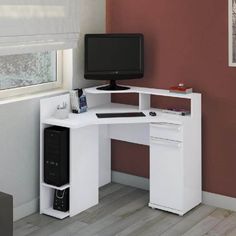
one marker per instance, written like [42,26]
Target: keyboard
[122,114]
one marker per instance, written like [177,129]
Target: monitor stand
[113,86]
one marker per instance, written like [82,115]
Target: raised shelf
[149,91]
[55,187]
[54,213]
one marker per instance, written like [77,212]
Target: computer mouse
[152,113]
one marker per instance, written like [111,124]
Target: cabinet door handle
[167,125]
[168,142]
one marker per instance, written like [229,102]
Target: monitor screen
[113,56]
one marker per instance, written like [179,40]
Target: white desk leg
[83,168]
[104,155]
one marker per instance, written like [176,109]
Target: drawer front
[166,131]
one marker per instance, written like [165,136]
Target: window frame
[11,92]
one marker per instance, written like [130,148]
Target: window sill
[25,97]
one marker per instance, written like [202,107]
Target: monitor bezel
[115,75]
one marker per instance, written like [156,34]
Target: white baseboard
[218,200]
[131,180]
[25,209]
[211,199]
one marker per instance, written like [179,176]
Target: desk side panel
[83,168]
[193,156]
[104,155]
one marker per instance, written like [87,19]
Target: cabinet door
[166,173]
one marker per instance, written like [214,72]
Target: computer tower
[56,156]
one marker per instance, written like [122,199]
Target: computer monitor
[114,57]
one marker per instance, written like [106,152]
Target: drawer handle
[166,125]
[168,142]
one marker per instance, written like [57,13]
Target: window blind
[38,25]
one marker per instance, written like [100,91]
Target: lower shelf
[55,213]
[55,187]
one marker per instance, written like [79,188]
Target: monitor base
[113,87]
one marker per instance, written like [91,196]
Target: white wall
[93,20]
[19,151]
[19,126]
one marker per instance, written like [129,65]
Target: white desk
[175,150]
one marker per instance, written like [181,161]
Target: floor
[123,211]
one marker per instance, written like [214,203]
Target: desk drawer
[166,130]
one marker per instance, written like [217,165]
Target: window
[27,73]
[48,25]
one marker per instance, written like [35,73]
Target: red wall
[185,41]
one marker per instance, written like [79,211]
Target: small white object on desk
[62,112]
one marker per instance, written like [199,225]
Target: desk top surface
[90,118]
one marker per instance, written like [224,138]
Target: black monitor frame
[114,75]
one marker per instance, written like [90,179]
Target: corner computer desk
[174,141]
